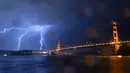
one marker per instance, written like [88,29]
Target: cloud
[92,33]
[101,8]
[127,12]
[85,11]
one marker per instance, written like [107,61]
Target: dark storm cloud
[92,32]
[25,13]
[58,11]
[16,12]
[127,12]
[102,8]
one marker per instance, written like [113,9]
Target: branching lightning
[26,31]
[6,30]
[41,38]
[20,38]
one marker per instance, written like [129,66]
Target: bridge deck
[91,45]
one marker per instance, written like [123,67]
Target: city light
[103,43]
[100,43]
[40,52]
[119,56]
[74,47]
[99,52]
[5,54]
[44,52]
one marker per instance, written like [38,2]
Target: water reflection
[116,65]
[90,60]
[42,64]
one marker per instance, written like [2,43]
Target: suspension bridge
[115,42]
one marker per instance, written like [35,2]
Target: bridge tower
[58,48]
[115,36]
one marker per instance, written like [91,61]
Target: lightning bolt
[34,28]
[20,39]
[6,30]
[41,39]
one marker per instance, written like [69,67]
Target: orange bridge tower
[58,48]
[115,36]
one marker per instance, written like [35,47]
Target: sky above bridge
[74,22]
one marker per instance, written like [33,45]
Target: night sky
[74,22]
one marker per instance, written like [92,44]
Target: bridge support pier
[58,53]
[115,36]
[116,48]
[58,48]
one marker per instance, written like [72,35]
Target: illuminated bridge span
[115,42]
[92,45]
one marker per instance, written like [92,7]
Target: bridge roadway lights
[92,45]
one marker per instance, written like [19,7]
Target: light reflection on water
[41,64]
[116,65]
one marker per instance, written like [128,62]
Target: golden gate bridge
[115,42]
